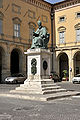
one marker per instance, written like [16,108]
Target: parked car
[54,76]
[76,79]
[16,78]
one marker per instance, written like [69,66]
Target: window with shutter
[17,30]
[31,29]
[78,34]
[61,37]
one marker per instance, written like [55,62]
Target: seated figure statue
[40,37]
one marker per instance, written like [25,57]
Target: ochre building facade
[67,34]
[18,19]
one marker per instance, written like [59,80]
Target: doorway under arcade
[16,61]
[63,65]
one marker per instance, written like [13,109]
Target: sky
[53,1]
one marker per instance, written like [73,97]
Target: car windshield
[77,75]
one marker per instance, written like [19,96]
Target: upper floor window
[78,34]
[61,37]
[17,30]
[16,27]
[62,19]
[77,28]
[78,15]
[61,31]
[31,29]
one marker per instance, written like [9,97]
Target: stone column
[71,67]
[22,63]
[24,71]
[6,65]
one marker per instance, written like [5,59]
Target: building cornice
[65,4]
[39,3]
[68,48]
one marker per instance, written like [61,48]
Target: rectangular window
[78,34]
[61,37]
[0,26]
[78,15]
[17,30]
[61,19]
[31,29]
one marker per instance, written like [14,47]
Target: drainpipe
[52,46]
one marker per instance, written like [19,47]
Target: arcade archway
[63,64]
[16,61]
[77,63]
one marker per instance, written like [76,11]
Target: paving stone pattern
[18,109]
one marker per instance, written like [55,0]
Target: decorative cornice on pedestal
[66,4]
[37,51]
[39,3]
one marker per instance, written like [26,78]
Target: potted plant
[65,77]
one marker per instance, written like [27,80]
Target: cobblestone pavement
[69,86]
[16,109]
[7,87]
[62,109]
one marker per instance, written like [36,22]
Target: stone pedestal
[38,64]
[41,59]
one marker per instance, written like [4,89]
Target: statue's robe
[38,37]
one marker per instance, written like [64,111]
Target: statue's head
[39,24]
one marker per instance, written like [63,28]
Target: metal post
[52,47]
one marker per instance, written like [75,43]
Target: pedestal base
[37,86]
[42,90]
